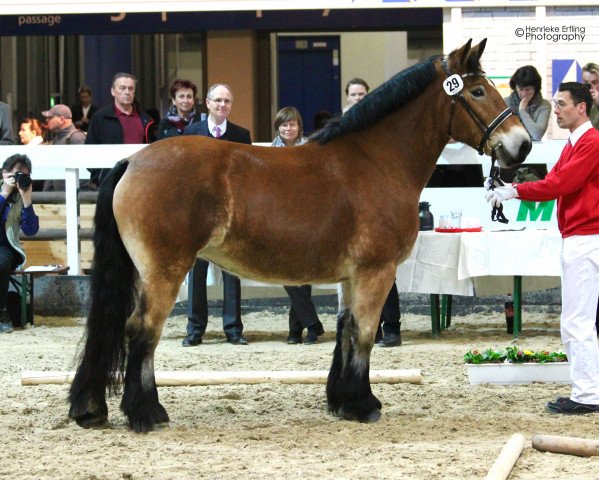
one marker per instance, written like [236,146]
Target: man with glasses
[219,101]
[123,121]
[574,182]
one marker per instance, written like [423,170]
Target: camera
[22,180]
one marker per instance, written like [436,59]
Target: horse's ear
[459,56]
[480,48]
[464,52]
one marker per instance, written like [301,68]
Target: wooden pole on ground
[508,457]
[581,447]
[166,379]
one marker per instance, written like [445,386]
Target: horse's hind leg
[344,306]
[140,397]
[348,387]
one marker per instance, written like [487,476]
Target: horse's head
[478,115]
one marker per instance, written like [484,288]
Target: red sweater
[574,181]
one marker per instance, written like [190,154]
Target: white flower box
[517,373]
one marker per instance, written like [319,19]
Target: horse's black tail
[113,295]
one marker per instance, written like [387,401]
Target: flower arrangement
[513,355]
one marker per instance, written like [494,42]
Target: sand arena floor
[441,429]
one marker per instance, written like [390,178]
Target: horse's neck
[410,139]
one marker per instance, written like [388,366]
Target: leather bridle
[487,131]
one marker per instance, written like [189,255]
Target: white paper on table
[41,268]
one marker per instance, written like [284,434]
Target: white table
[482,263]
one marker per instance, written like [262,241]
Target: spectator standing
[527,102]
[183,112]
[219,101]
[590,76]
[289,131]
[17,214]
[30,132]
[574,182]
[123,121]
[356,89]
[388,333]
[84,110]
[59,121]
[7,136]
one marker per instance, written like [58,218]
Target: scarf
[180,123]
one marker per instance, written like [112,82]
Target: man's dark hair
[579,93]
[17,159]
[526,76]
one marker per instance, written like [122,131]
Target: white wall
[373,56]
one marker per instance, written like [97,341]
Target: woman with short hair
[183,111]
[527,102]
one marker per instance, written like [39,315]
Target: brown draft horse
[341,208]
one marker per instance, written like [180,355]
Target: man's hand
[8,186]
[500,194]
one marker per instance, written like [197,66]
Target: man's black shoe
[294,339]
[391,340]
[192,341]
[314,331]
[237,340]
[570,407]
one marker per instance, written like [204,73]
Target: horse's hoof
[372,417]
[92,421]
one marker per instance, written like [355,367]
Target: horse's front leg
[348,387]
[140,397]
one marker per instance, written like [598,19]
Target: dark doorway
[309,75]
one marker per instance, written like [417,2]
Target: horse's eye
[478,92]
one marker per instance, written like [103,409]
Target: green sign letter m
[544,209]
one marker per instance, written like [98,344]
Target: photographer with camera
[16,214]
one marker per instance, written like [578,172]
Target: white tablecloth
[481,262]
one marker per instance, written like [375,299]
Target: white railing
[70,162]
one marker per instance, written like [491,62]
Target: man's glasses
[561,104]
[224,101]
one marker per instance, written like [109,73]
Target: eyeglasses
[561,104]
[224,101]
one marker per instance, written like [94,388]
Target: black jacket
[166,129]
[234,133]
[77,111]
[105,129]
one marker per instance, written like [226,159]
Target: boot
[392,339]
[314,331]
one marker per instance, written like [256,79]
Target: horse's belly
[286,274]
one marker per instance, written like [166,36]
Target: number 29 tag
[453,85]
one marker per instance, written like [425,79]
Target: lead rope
[497,212]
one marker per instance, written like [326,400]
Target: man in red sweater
[574,182]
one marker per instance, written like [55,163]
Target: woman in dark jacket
[183,112]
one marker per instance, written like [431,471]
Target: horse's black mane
[384,100]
